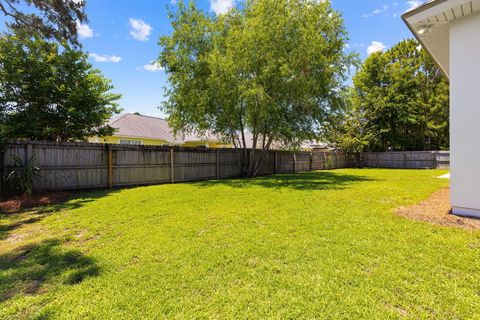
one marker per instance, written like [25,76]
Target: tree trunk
[254,157]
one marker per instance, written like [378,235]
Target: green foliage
[52,19]
[345,130]
[22,177]
[270,71]
[400,102]
[329,164]
[48,92]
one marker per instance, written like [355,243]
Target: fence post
[218,164]
[28,151]
[295,162]
[110,166]
[275,163]
[311,161]
[172,166]
[2,168]
[378,160]
[404,160]
[324,161]
[336,160]
[435,160]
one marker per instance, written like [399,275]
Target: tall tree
[48,92]
[400,102]
[270,71]
[51,19]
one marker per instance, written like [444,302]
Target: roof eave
[421,8]
[418,10]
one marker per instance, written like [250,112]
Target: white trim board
[466,212]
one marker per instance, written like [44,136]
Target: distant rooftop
[147,127]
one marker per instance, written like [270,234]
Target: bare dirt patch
[437,210]
[18,203]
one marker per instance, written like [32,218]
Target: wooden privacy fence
[406,159]
[67,166]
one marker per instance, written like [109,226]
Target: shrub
[23,176]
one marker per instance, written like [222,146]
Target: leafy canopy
[270,71]
[400,101]
[50,19]
[48,92]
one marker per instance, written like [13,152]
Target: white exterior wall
[465,115]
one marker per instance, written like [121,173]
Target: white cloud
[84,31]
[105,58]
[412,4]
[376,11]
[221,6]
[153,66]
[375,46]
[140,30]
[385,9]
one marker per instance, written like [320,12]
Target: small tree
[50,19]
[51,93]
[345,129]
[270,71]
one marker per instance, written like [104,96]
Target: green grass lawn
[313,245]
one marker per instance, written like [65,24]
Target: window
[136,142]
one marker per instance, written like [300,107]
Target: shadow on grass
[76,200]
[35,268]
[315,180]
[6,229]
[32,215]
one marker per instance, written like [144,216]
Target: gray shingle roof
[140,126]
[147,127]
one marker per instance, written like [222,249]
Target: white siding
[465,114]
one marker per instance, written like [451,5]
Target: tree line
[269,71]
[279,69]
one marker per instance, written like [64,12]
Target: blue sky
[122,36]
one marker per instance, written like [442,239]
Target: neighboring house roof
[140,126]
[147,127]
[131,125]
[430,25]
[208,136]
[314,144]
